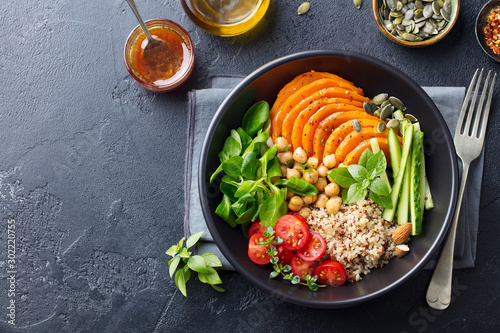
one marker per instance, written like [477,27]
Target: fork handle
[439,291]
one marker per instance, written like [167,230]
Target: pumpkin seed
[398,104]
[358,3]
[386,112]
[411,117]
[381,127]
[393,123]
[377,113]
[303,8]
[369,107]
[380,98]
[356,125]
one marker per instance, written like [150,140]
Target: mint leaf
[193,239]
[355,193]
[376,164]
[342,177]
[379,187]
[358,172]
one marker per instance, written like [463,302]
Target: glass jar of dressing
[225,17]
[179,62]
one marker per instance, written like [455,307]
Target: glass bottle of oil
[225,17]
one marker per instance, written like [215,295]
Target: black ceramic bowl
[374,76]
[481,22]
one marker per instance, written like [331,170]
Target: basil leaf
[197,264]
[355,193]
[272,209]
[342,177]
[249,165]
[379,187]
[180,281]
[225,212]
[173,263]
[211,276]
[384,201]
[376,164]
[219,289]
[358,172]
[193,239]
[172,251]
[244,137]
[232,166]
[344,195]
[231,148]
[364,157]
[298,186]
[211,260]
[255,117]
[273,168]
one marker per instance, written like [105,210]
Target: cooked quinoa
[357,236]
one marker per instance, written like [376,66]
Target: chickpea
[309,199]
[269,142]
[305,212]
[289,194]
[295,203]
[293,173]
[311,176]
[300,156]
[321,184]
[284,157]
[321,201]
[333,205]
[312,163]
[332,189]
[283,169]
[329,161]
[322,170]
[297,166]
[281,144]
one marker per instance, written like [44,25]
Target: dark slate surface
[91,169]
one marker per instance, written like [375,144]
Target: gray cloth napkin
[202,106]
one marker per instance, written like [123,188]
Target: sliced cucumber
[429,203]
[394,150]
[404,197]
[398,114]
[415,190]
[376,149]
[389,213]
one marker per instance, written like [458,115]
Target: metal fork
[469,140]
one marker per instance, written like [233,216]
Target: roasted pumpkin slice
[353,139]
[327,125]
[354,155]
[303,79]
[306,106]
[342,113]
[305,92]
[339,134]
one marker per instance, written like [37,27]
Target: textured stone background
[92,166]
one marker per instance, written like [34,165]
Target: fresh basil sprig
[202,264]
[250,166]
[285,270]
[364,176]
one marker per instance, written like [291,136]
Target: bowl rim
[422,43]
[480,24]
[204,200]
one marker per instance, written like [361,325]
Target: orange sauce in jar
[177,59]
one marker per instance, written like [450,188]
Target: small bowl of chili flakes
[488,29]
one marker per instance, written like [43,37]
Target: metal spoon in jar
[156,52]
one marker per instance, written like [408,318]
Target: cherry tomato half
[285,256]
[258,253]
[256,227]
[301,267]
[293,230]
[331,272]
[314,248]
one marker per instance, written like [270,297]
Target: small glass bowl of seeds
[415,23]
